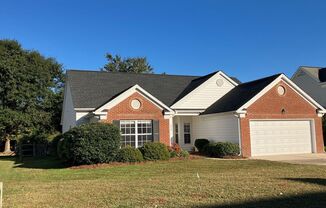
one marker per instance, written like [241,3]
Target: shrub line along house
[268,116]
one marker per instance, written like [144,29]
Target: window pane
[129,129]
[187,138]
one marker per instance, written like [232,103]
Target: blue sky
[246,39]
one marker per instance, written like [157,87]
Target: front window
[187,133]
[136,137]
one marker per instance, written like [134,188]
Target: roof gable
[242,96]
[239,95]
[203,91]
[122,96]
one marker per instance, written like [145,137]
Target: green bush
[200,144]
[221,149]
[155,151]
[62,150]
[90,144]
[129,154]
[173,154]
[176,151]
[184,154]
[53,144]
[37,138]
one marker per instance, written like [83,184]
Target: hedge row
[218,149]
[100,143]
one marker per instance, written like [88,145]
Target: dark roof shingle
[91,89]
[239,95]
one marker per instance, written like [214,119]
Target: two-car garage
[273,137]
[275,117]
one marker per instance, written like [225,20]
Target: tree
[31,88]
[118,64]
[12,123]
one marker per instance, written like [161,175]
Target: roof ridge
[311,67]
[207,75]
[134,73]
[260,79]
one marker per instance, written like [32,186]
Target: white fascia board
[126,94]
[228,78]
[212,77]
[305,95]
[271,85]
[189,112]
[84,109]
[218,114]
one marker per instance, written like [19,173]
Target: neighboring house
[313,81]
[265,117]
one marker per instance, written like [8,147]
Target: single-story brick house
[268,116]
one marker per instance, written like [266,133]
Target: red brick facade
[270,106]
[147,111]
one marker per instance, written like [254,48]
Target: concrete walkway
[311,159]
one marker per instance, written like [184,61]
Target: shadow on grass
[309,200]
[318,181]
[35,163]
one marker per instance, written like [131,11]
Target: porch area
[219,128]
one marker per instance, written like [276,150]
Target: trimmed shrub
[221,149]
[176,151]
[129,154]
[173,154]
[90,144]
[200,144]
[184,154]
[155,151]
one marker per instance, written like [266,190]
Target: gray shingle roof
[318,73]
[239,95]
[92,89]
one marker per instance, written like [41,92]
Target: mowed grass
[180,183]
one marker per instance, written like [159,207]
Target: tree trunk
[7,145]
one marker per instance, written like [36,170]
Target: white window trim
[184,132]
[136,130]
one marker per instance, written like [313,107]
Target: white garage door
[272,137]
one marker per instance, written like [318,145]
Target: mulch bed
[192,156]
[114,164]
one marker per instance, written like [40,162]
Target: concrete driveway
[311,159]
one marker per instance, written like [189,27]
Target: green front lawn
[238,183]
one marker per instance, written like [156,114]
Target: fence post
[1,193]
[20,152]
[34,149]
